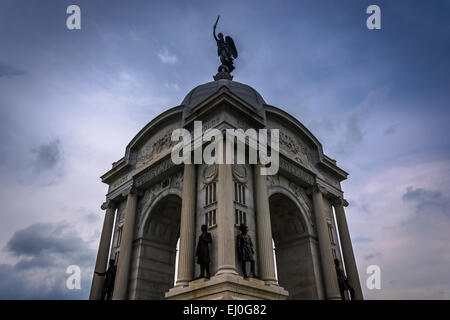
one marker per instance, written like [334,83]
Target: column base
[226,269]
[227,287]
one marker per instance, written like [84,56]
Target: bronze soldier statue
[226,50]
[343,282]
[246,251]
[202,252]
[108,284]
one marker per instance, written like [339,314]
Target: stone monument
[152,204]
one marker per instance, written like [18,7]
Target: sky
[71,100]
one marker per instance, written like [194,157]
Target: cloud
[352,135]
[45,163]
[166,57]
[172,86]
[39,238]
[43,253]
[362,239]
[407,225]
[9,71]
[47,156]
[372,255]
[391,129]
[427,201]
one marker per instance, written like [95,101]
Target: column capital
[318,188]
[108,204]
[340,202]
[133,190]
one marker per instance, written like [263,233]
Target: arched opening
[294,249]
[158,249]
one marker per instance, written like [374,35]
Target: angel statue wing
[229,41]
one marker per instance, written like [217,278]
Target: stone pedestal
[223,75]
[227,287]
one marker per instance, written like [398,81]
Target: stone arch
[286,192]
[156,246]
[295,246]
[149,207]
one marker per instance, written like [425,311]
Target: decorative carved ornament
[240,173]
[297,171]
[154,172]
[108,205]
[299,150]
[210,173]
[148,153]
[340,202]
[272,180]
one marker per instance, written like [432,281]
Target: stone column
[263,228]
[226,242]
[347,248]
[126,246]
[187,228]
[326,256]
[103,250]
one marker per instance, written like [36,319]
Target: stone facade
[158,204]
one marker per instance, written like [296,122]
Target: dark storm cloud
[427,201]
[12,285]
[29,285]
[45,251]
[9,71]
[39,240]
[47,156]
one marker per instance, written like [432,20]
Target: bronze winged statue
[226,50]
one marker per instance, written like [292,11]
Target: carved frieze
[154,148]
[154,172]
[295,149]
[297,171]
[330,179]
[120,180]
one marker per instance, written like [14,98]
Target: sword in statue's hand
[217,21]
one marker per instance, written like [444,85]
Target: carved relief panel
[292,145]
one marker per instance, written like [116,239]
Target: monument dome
[202,92]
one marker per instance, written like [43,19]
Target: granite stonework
[227,287]
[290,215]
